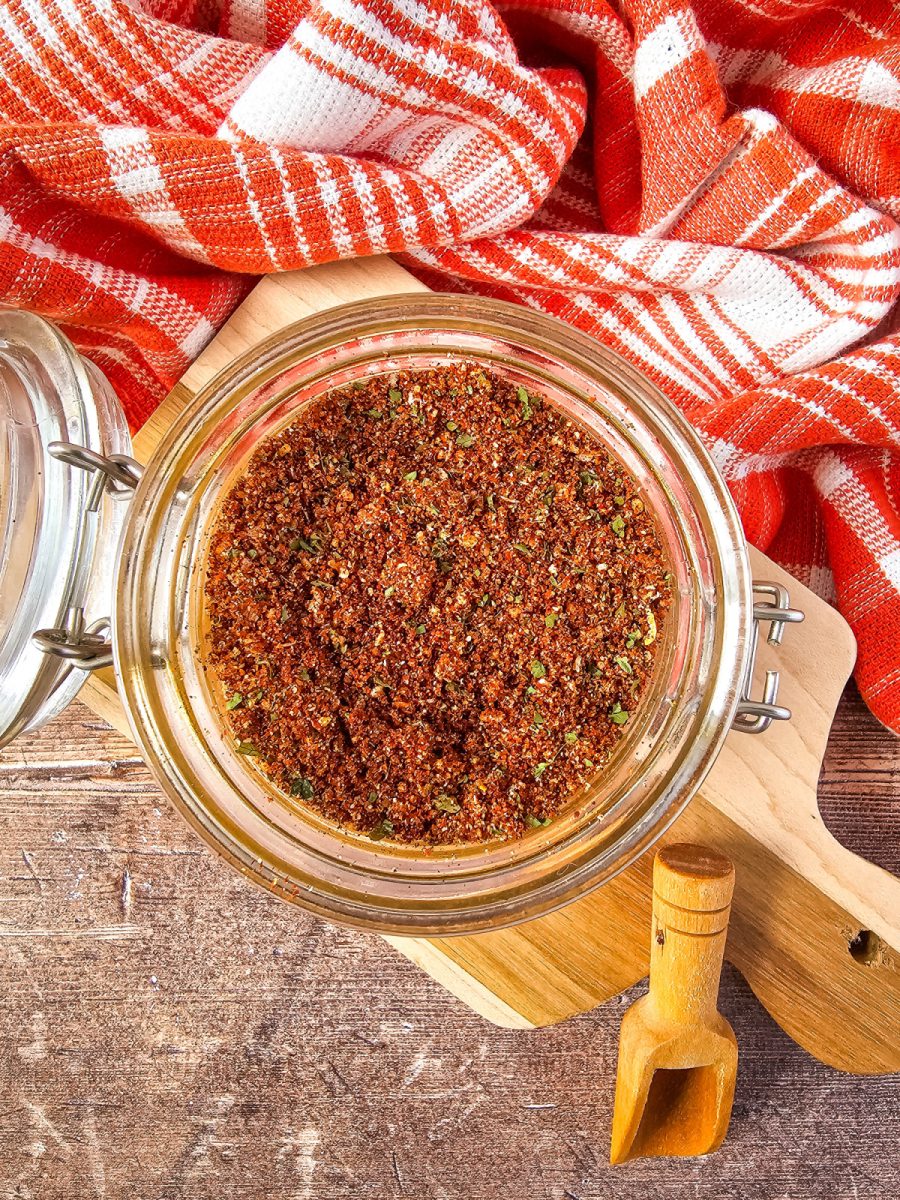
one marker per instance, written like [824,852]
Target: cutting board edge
[456,980]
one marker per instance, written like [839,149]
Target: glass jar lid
[59,525]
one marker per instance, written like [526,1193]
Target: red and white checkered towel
[710,188]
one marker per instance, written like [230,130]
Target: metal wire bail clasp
[117,474]
[753,716]
[89,647]
[84,646]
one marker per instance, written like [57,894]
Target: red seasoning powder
[434,603]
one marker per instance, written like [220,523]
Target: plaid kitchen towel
[710,188]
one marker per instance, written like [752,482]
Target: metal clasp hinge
[754,716]
[89,647]
[117,474]
[86,647]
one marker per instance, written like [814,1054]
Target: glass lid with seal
[59,525]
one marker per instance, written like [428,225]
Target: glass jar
[701,679]
[59,532]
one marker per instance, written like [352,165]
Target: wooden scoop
[677,1054]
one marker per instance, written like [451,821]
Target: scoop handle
[692,890]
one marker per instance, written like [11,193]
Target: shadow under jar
[700,672]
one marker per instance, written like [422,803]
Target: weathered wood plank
[167,1032]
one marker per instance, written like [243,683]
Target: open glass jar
[153,573]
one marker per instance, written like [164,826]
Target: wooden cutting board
[814,929]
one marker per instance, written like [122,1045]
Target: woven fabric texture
[710,188]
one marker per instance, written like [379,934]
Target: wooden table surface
[167,1031]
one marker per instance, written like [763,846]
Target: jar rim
[154,626]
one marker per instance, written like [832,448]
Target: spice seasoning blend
[434,603]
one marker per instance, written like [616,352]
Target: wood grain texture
[843,1010]
[677,1054]
[169,1033]
[760,806]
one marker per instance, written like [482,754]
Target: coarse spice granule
[434,603]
